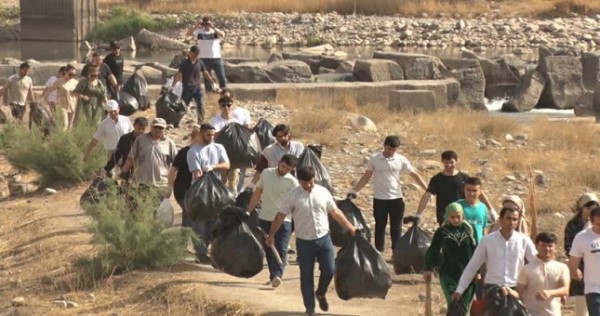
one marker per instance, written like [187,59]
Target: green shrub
[124,22]
[129,236]
[58,158]
[10,13]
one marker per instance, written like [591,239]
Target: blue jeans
[282,239]
[186,221]
[188,94]
[320,250]
[593,303]
[215,64]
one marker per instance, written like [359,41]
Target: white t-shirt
[309,210]
[274,189]
[386,175]
[18,88]
[110,131]
[242,115]
[209,43]
[538,276]
[219,122]
[586,245]
[49,84]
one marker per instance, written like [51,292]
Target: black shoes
[323,305]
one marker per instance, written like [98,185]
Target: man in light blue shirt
[476,213]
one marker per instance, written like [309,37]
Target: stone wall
[57,20]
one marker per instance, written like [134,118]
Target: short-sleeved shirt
[50,83]
[200,156]
[18,88]
[191,74]
[209,43]
[447,189]
[274,190]
[116,64]
[103,73]
[586,245]
[274,152]
[64,96]
[309,211]
[220,123]
[538,276]
[386,175]
[110,131]
[183,181]
[242,115]
[152,160]
[476,215]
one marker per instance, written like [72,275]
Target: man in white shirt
[309,205]
[110,130]
[586,247]
[220,121]
[209,42]
[51,98]
[386,167]
[243,117]
[18,90]
[271,189]
[504,253]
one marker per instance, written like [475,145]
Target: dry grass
[538,8]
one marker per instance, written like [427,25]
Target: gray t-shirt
[152,160]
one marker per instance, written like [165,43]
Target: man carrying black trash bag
[309,204]
[271,189]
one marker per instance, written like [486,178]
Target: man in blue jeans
[310,204]
[209,43]
[189,74]
[271,188]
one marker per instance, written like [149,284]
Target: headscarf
[517,200]
[455,207]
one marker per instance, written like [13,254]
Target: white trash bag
[165,212]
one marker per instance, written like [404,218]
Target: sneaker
[309,312]
[203,259]
[323,305]
[276,282]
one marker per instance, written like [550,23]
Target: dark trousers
[202,229]
[593,303]
[215,64]
[382,209]
[320,250]
[196,94]
[282,239]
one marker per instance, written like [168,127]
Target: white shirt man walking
[110,130]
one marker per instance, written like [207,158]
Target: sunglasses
[226,105]
[93,76]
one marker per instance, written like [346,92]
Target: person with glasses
[243,116]
[115,62]
[220,121]
[66,100]
[104,74]
[91,93]
[581,221]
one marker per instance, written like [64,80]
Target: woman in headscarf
[582,209]
[514,202]
[451,248]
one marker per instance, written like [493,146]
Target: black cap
[114,45]
[194,49]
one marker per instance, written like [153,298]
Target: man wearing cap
[151,156]
[110,130]
[115,62]
[17,90]
[209,43]
[124,146]
[189,74]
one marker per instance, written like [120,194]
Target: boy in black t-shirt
[448,186]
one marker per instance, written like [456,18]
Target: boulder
[527,94]
[178,59]
[372,70]
[564,84]
[334,77]
[155,41]
[412,100]
[315,61]
[324,71]
[345,67]
[591,69]
[585,105]
[165,70]
[246,73]
[320,49]
[127,44]
[470,75]
[239,60]
[405,60]
[361,123]
[423,69]
[501,74]
[152,75]
[274,57]
[289,71]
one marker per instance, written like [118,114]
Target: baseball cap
[587,198]
[111,105]
[159,122]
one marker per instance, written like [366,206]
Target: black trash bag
[409,254]
[498,305]
[96,190]
[242,201]
[264,132]
[237,248]
[137,86]
[339,235]
[361,271]
[242,145]
[322,178]
[317,149]
[207,197]
[457,308]
[128,105]
[41,117]
[171,108]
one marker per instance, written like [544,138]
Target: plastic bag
[317,149]
[171,108]
[339,235]
[242,145]
[409,254]
[128,105]
[457,308]
[137,86]
[322,178]
[237,248]
[207,197]
[41,117]
[96,190]
[361,271]
[263,130]
[165,213]
[498,305]
[242,201]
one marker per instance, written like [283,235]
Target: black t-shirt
[183,181]
[191,73]
[115,63]
[103,73]
[447,189]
